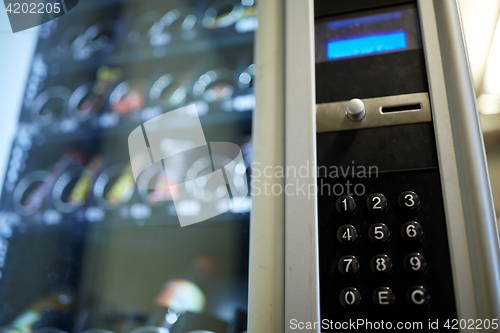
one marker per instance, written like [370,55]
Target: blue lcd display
[365,45]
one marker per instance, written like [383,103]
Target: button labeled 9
[415,263]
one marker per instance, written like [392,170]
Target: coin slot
[398,108]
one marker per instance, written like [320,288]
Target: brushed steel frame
[470,215]
[301,227]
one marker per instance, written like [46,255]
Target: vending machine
[228,166]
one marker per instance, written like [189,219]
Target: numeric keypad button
[350,297]
[377,203]
[347,234]
[348,265]
[419,296]
[412,231]
[381,264]
[346,205]
[415,263]
[379,233]
[383,296]
[409,201]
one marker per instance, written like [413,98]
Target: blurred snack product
[97,38]
[170,90]
[50,306]
[182,295]
[72,188]
[222,14]
[114,187]
[215,85]
[89,98]
[157,30]
[49,105]
[31,192]
[128,96]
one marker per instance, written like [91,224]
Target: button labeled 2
[377,203]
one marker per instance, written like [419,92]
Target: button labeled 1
[346,205]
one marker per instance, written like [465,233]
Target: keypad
[379,234]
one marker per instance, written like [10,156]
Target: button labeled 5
[379,233]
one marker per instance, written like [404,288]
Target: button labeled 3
[409,201]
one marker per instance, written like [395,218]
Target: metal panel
[301,259]
[267,244]
[332,116]
[471,222]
